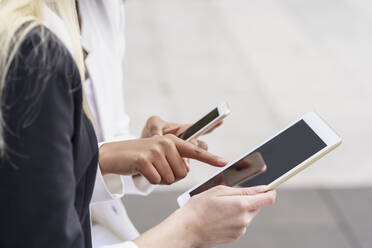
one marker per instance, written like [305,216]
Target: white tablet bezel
[223,111]
[329,137]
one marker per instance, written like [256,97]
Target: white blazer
[103,38]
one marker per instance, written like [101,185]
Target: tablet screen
[280,154]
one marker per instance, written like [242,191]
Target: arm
[159,158]
[217,216]
[37,181]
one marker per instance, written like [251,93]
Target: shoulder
[42,54]
[42,73]
[40,60]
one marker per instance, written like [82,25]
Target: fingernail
[222,161]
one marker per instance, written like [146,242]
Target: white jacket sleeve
[137,185]
[113,186]
[107,187]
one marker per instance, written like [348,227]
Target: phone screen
[200,124]
[280,154]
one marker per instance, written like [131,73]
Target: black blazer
[48,168]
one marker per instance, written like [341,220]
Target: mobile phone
[284,155]
[206,123]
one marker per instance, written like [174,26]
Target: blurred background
[272,61]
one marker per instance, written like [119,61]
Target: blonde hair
[18,18]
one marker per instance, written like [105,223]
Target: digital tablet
[276,160]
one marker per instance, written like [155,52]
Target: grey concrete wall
[272,60]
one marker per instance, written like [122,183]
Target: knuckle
[235,235]
[152,180]
[274,196]
[141,159]
[169,135]
[247,191]
[153,117]
[155,180]
[157,138]
[182,174]
[241,232]
[152,122]
[165,141]
[247,220]
[271,200]
[152,128]
[198,150]
[240,223]
[155,150]
[158,180]
[240,206]
[203,145]
[169,180]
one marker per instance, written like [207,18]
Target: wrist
[174,232]
[103,160]
[187,227]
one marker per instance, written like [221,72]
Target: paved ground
[308,218]
[272,60]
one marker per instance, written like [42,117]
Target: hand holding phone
[207,123]
[156,126]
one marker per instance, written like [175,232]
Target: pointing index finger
[189,150]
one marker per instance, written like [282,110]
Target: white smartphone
[206,123]
[276,160]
